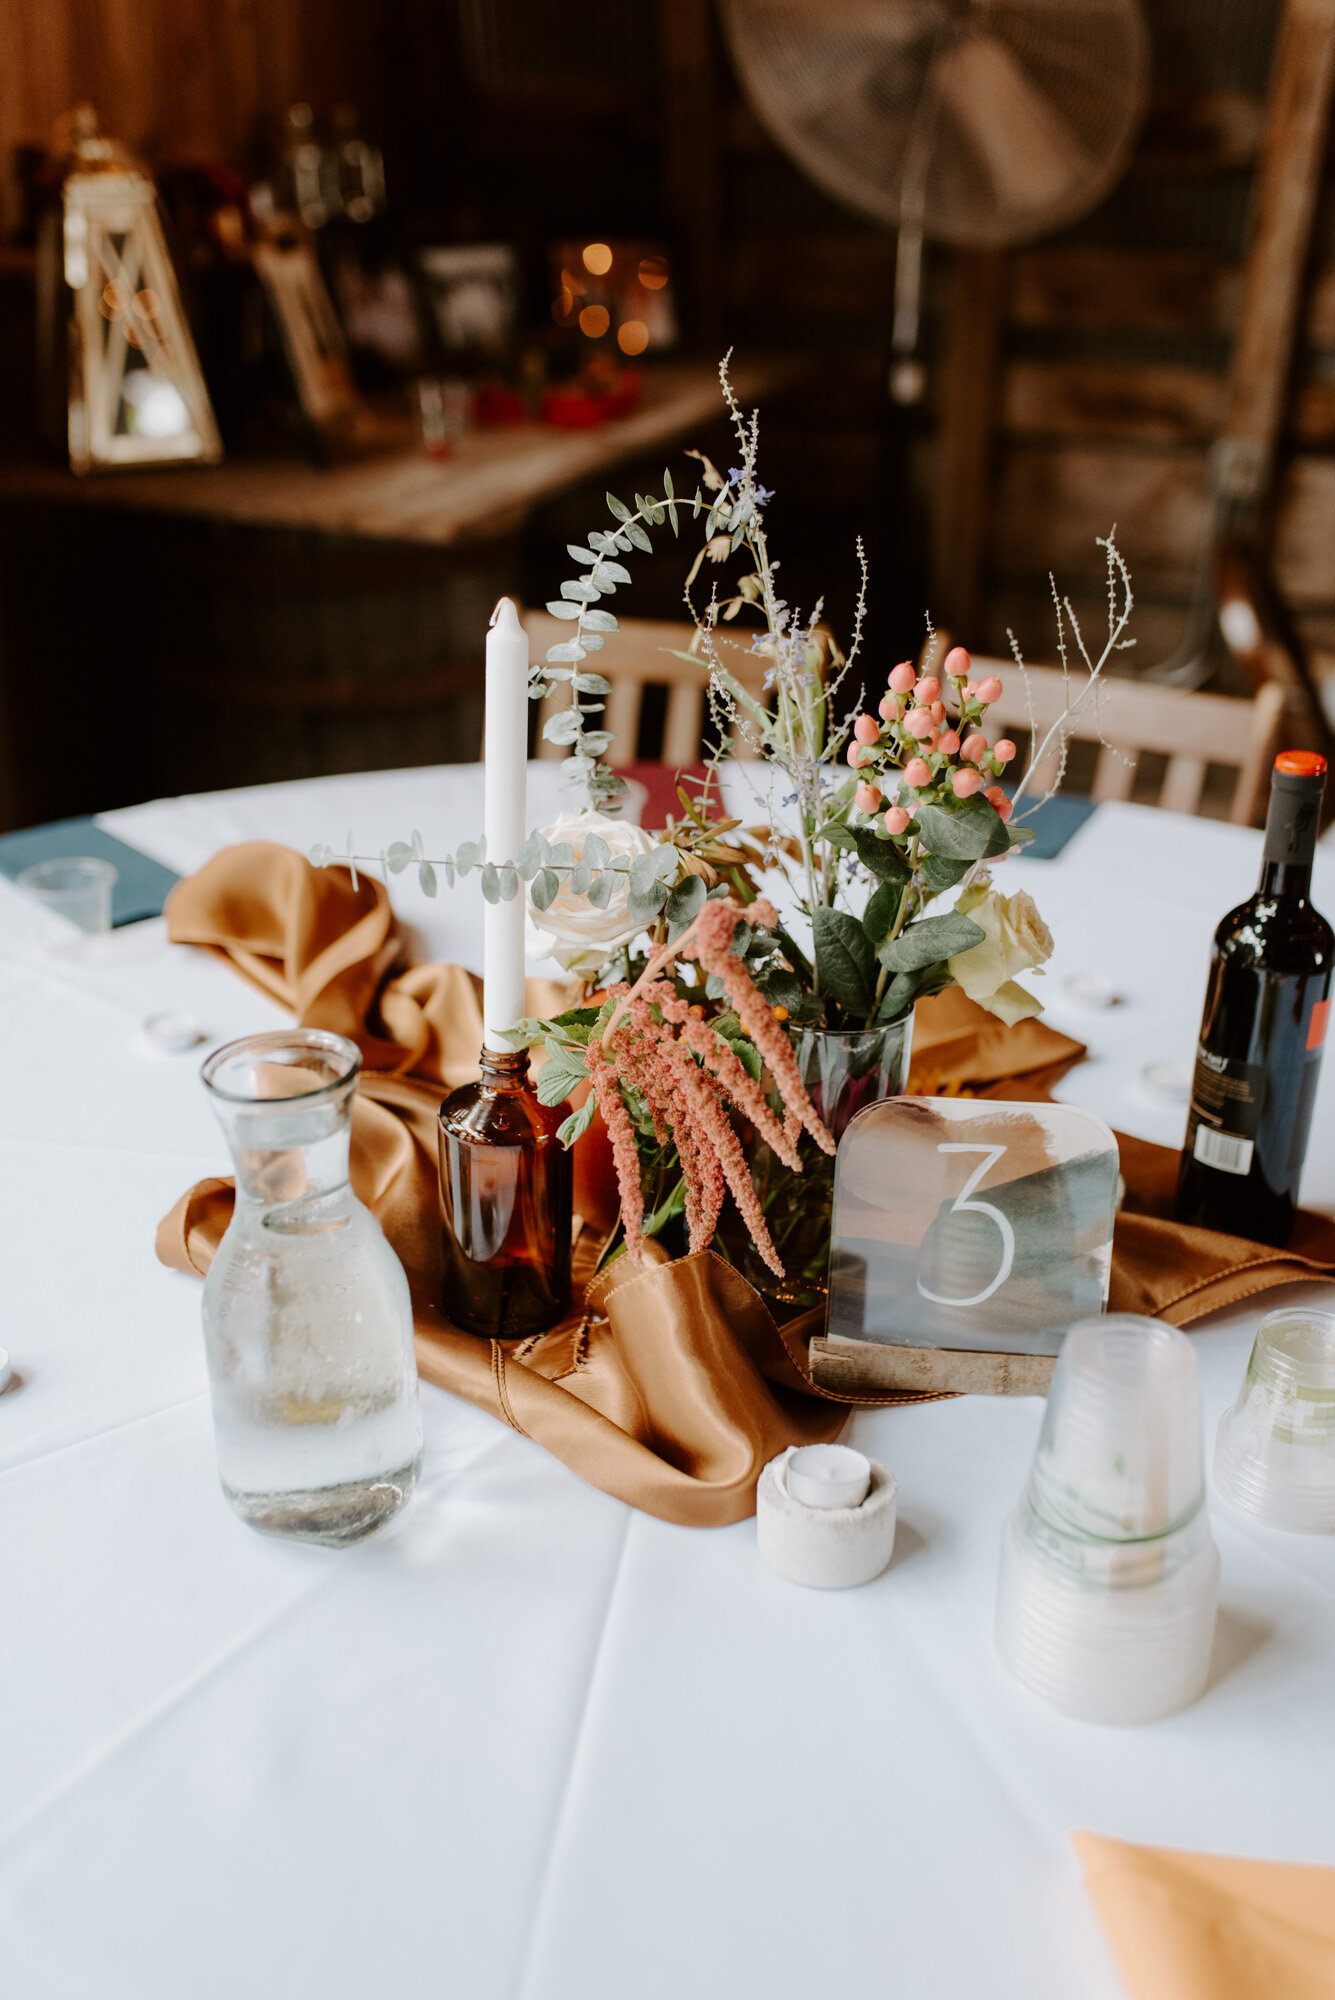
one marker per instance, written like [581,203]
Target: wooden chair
[641,655]
[1128,718]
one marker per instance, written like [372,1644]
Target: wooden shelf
[492,483]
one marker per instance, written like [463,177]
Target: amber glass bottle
[506,1204]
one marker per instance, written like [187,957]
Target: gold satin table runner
[671,1387]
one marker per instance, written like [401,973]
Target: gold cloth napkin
[1208,1927]
[675,1387]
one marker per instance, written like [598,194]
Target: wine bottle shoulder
[1276,934]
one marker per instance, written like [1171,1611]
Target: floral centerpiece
[748,972]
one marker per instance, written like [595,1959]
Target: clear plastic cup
[1275,1453]
[1109,1574]
[75,894]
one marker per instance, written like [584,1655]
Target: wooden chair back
[643,653]
[1129,718]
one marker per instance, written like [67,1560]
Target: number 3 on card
[961,1206]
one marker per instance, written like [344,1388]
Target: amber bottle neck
[504,1069]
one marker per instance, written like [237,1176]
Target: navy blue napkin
[142,884]
[1056,820]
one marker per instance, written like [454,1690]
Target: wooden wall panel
[178,79]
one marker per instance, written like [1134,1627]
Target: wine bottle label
[1222,1150]
[1227,1099]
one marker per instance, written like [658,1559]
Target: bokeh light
[633,337]
[653,273]
[598,259]
[595,320]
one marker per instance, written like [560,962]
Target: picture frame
[312,339]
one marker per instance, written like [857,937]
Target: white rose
[1017,940]
[571,930]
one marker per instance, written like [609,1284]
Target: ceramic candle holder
[829,1548]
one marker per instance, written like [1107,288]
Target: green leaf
[617,508]
[780,986]
[845,962]
[563,727]
[559,608]
[970,832]
[577,1124]
[544,889]
[602,889]
[644,904]
[607,574]
[668,487]
[837,834]
[930,941]
[491,883]
[940,872]
[579,1022]
[882,909]
[400,854]
[880,855]
[556,1079]
[509,882]
[747,1054]
[596,851]
[898,997]
[580,555]
[600,621]
[426,876]
[532,854]
[675,1204]
[684,904]
[569,649]
[638,536]
[581,591]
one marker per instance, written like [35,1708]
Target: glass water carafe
[308,1325]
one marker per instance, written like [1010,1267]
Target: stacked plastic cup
[1109,1574]
[1275,1453]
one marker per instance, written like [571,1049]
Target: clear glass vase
[844,1070]
[308,1325]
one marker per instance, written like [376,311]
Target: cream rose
[1017,940]
[571,930]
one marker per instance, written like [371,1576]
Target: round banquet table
[533,1745]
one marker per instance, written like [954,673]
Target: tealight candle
[828,1475]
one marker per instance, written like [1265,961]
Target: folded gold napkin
[671,1387]
[1208,1927]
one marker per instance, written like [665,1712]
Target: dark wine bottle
[506,1204]
[1266,1008]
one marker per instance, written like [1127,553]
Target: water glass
[75,894]
[1275,1452]
[308,1326]
[1109,1573]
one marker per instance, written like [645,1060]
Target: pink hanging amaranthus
[661,1048]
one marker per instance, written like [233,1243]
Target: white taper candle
[504,812]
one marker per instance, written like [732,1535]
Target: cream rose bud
[572,930]
[1017,941]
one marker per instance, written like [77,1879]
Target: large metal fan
[977,122]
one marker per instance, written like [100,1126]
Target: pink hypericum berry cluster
[924,744]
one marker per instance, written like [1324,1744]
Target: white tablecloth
[533,1745]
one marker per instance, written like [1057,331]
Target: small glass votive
[75,894]
[1275,1451]
[1109,1574]
[444,412]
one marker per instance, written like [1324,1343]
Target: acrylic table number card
[967,1235]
